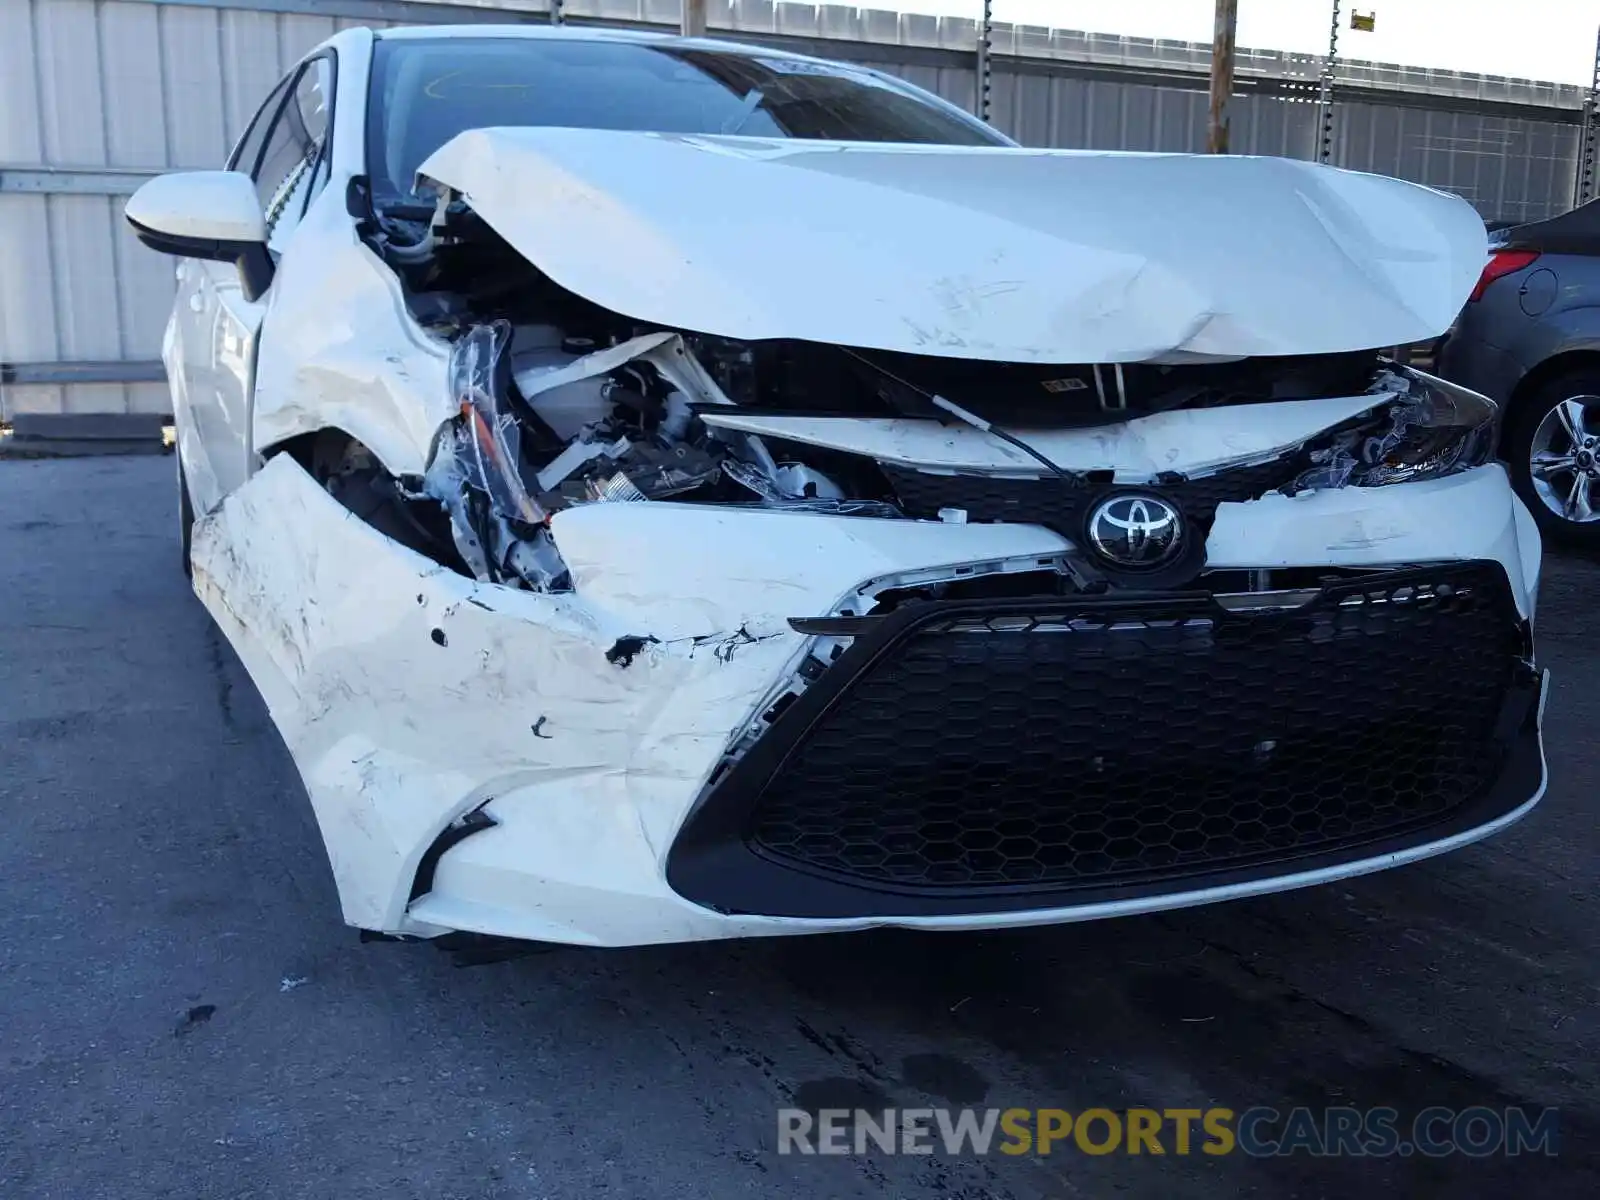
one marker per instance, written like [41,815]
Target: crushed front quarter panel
[343,352]
[409,695]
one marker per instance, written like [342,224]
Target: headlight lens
[1432,428]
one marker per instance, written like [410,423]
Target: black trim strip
[834,626]
[454,834]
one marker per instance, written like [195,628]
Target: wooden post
[1222,47]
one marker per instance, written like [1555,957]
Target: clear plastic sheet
[488,439]
[1430,431]
[1356,453]
[476,471]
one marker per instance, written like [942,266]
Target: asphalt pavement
[183,1014]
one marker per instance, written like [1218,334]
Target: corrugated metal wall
[87,83]
[152,84]
[1512,168]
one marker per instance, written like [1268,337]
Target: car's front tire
[185,517]
[1552,448]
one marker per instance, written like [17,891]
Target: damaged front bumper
[559,766]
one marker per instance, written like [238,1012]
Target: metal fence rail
[95,95]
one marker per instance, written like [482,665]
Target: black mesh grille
[1060,504]
[1073,745]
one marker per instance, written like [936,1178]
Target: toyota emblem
[1137,531]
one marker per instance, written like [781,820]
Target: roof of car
[1574,232]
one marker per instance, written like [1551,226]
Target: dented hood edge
[997,253]
[1190,441]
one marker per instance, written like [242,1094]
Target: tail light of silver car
[1501,263]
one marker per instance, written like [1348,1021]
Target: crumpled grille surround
[1063,504]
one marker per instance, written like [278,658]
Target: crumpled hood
[993,253]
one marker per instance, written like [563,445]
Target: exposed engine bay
[561,402]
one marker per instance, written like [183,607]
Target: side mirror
[213,215]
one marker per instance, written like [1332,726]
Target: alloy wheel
[1564,460]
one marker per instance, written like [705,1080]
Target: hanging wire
[985,66]
[1584,187]
[1325,91]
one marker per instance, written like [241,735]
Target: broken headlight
[1432,429]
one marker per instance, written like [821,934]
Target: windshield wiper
[753,100]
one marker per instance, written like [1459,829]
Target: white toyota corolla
[667,489]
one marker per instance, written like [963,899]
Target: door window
[247,153]
[293,161]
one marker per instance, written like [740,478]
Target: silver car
[1529,337]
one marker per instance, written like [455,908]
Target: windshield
[424,92]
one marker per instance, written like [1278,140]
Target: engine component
[772,494]
[575,456]
[653,473]
[675,424]
[800,482]
[567,408]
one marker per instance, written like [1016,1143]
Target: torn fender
[999,253]
[345,352]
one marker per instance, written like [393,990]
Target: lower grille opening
[1036,747]
[965,819]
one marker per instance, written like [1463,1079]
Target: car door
[288,163]
[187,348]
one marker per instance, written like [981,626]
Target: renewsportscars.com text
[1258,1132]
